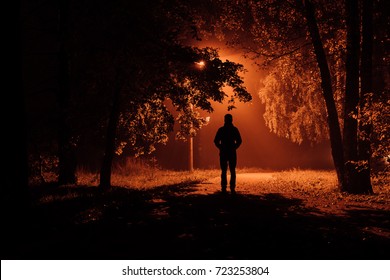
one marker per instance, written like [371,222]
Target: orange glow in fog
[200,64]
[260,148]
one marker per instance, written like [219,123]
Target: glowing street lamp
[200,64]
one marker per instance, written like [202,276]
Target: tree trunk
[351,96]
[105,171]
[66,147]
[326,84]
[365,127]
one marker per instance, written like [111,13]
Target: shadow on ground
[171,222]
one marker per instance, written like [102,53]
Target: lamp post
[191,154]
[200,65]
[191,148]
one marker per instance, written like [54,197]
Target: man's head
[228,119]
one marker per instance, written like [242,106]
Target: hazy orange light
[200,64]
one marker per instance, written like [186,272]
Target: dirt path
[314,198]
[273,216]
[244,183]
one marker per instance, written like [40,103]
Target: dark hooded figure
[227,140]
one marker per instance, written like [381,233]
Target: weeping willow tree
[294,107]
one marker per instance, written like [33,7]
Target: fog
[260,147]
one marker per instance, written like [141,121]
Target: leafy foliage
[274,34]
[316,41]
[141,50]
[294,106]
[145,127]
[177,78]
[377,113]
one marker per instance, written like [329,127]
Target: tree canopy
[318,53]
[123,65]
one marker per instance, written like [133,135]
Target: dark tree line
[351,157]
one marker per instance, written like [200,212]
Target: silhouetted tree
[109,152]
[326,83]
[350,132]
[185,86]
[365,126]
[144,64]
[46,56]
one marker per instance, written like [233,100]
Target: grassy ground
[157,214]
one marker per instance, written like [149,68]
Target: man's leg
[224,164]
[232,169]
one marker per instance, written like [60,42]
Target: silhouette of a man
[227,140]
